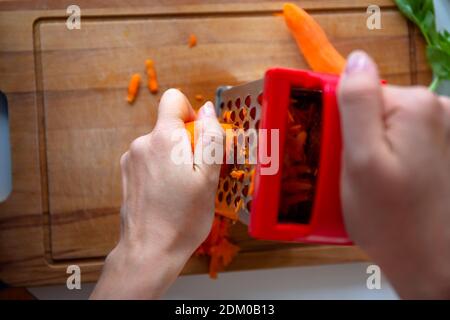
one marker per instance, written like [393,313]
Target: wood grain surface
[70,122]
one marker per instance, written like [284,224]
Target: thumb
[361,107]
[208,152]
[174,110]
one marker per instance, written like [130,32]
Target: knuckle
[160,139]
[358,90]
[426,104]
[172,94]
[138,147]
[360,162]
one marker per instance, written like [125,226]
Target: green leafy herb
[438,43]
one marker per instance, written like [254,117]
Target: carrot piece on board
[199,97]
[133,87]
[192,40]
[151,74]
[312,41]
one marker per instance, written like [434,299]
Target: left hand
[168,208]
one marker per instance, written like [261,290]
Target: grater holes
[220,196]
[249,205]
[234,188]
[233,115]
[260,99]
[238,110]
[229,199]
[245,191]
[248,101]
[225,186]
[242,114]
[237,103]
[253,113]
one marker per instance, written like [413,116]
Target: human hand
[395,184]
[168,208]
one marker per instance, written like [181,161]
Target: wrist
[136,272]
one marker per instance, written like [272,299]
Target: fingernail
[357,61]
[207,110]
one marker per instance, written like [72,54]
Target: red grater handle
[326,224]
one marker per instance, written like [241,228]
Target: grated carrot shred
[192,40]
[153,85]
[133,87]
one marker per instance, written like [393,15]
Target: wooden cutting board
[70,121]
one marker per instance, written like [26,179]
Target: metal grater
[244,103]
[265,105]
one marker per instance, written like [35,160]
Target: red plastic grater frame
[326,223]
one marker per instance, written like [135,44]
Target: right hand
[395,183]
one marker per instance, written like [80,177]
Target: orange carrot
[312,41]
[192,40]
[133,87]
[217,246]
[199,97]
[227,116]
[190,127]
[227,212]
[221,256]
[237,174]
[151,74]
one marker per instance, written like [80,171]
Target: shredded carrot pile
[151,74]
[133,87]
[192,40]
[301,158]
[218,246]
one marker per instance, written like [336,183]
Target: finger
[124,169]
[124,173]
[361,107]
[208,154]
[445,101]
[174,110]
